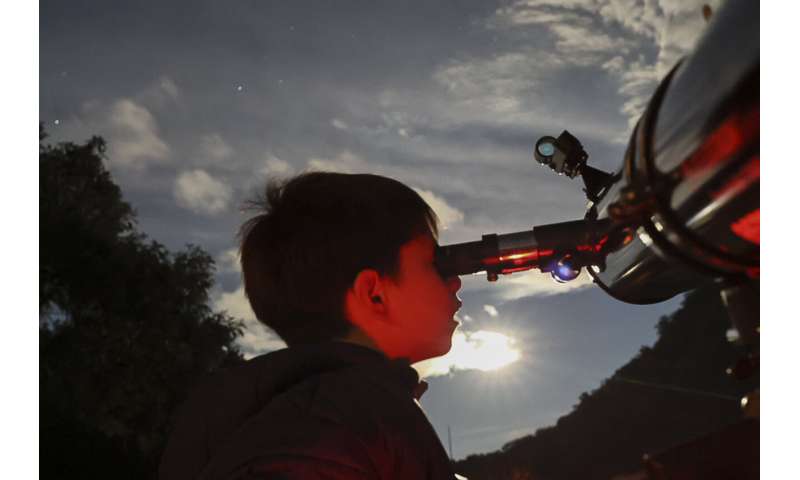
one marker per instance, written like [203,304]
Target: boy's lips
[458,306]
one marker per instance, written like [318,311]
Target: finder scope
[565,154]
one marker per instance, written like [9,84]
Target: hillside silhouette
[675,391]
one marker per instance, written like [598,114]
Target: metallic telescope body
[683,208]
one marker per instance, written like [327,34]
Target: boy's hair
[312,236]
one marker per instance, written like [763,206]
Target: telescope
[683,207]
[682,210]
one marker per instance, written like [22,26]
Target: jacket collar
[335,355]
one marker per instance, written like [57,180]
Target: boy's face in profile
[422,302]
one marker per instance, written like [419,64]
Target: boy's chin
[443,348]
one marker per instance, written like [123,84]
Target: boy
[342,268]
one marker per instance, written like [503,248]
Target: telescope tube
[689,183]
[540,247]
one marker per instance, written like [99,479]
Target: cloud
[129,125]
[198,191]
[581,39]
[448,215]
[578,33]
[167,86]
[269,167]
[480,350]
[345,162]
[637,80]
[583,35]
[257,339]
[161,93]
[498,85]
[215,147]
[228,261]
[491,310]
[133,141]
[339,124]
[274,166]
[537,13]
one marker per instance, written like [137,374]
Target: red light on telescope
[520,258]
[749,227]
[600,243]
[727,139]
[628,239]
[506,271]
[748,175]
[528,258]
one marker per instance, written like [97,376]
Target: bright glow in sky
[481,350]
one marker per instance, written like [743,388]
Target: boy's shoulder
[334,402]
[356,388]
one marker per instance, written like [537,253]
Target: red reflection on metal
[521,257]
[528,258]
[628,239]
[506,271]
[727,139]
[749,227]
[748,175]
[600,243]
[491,261]
[593,248]
[754,272]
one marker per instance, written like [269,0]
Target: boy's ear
[368,289]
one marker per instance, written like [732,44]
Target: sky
[201,101]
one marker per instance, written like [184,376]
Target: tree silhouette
[125,327]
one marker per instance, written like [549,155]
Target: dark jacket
[325,411]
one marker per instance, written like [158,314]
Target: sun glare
[483,350]
[480,350]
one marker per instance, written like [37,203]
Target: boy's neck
[358,337]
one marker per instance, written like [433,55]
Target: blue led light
[564,271]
